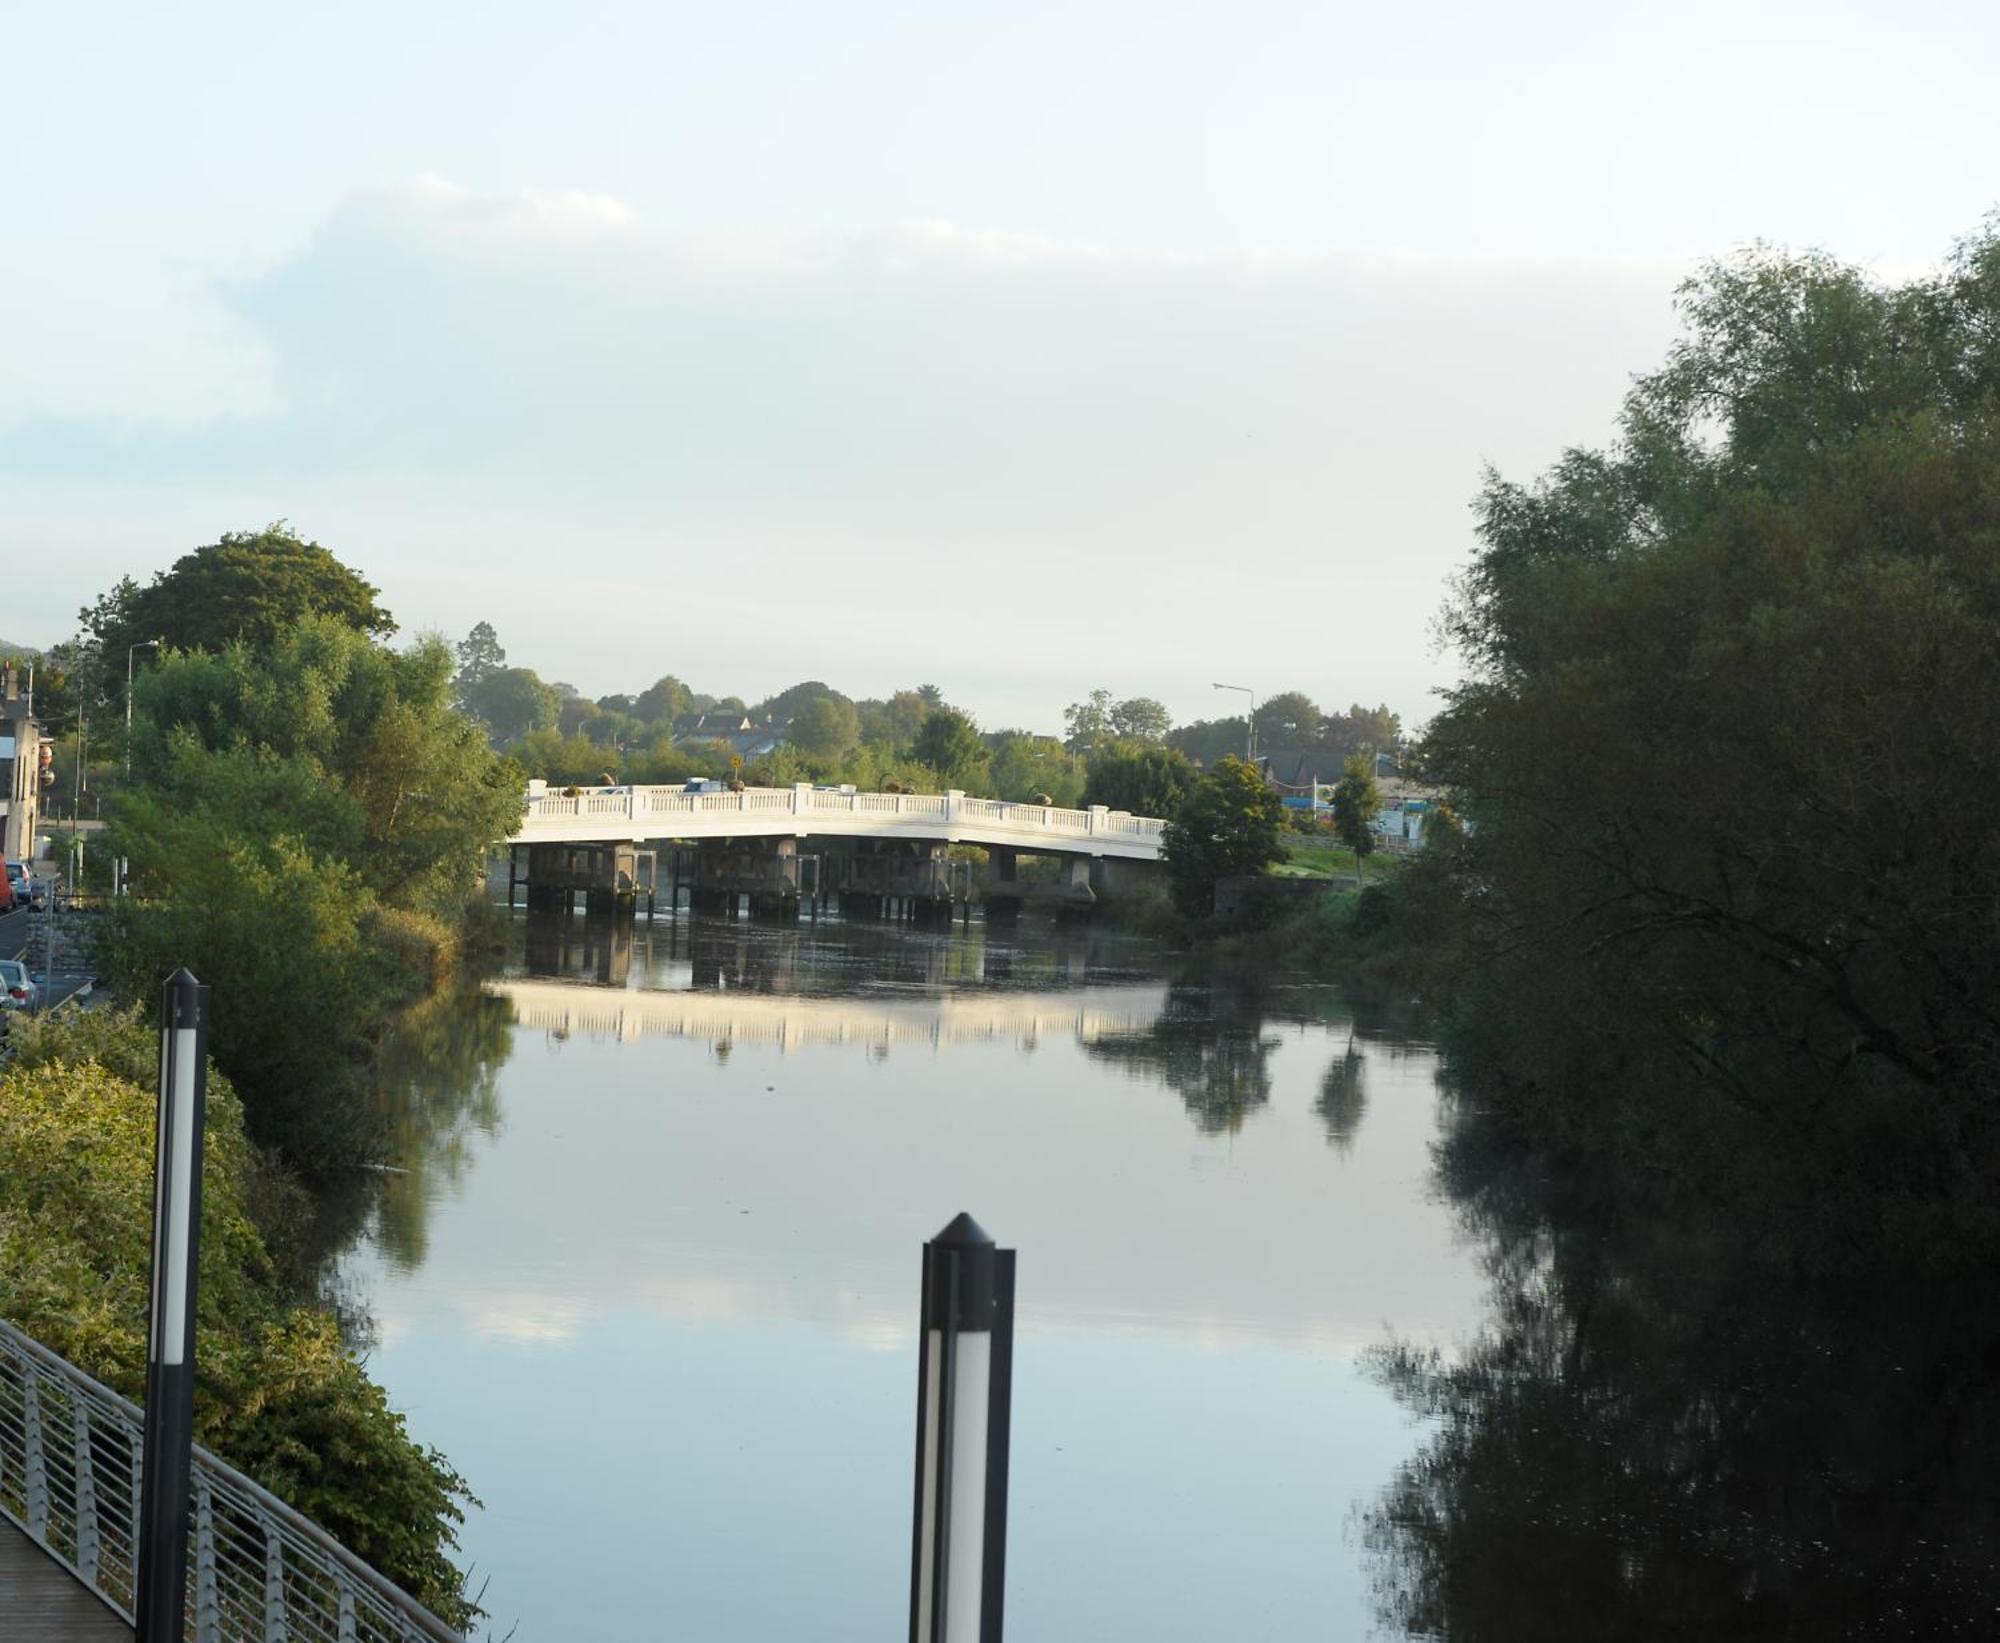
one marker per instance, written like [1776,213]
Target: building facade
[24,756]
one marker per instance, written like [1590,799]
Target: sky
[1023,349]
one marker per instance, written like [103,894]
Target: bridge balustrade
[258,1572]
[658,807]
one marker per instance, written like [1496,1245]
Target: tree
[513,703]
[1141,719]
[1209,741]
[1361,729]
[324,722]
[949,744]
[930,696]
[1289,719]
[1026,765]
[1146,779]
[1088,723]
[1729,755]
[1357,801]
[893,723]
[825,726]
[479,656]
[249,587]
[279,1395]
[789,701]
[1228,826]
[663,701]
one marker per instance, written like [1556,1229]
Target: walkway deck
[42,1602]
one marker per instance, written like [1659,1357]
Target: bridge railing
[258,1572]
[663,804]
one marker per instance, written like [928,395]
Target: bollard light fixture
[965,1375]
[170,1353]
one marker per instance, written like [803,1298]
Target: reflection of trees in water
[1343,1098]
[1665,1432]
[436,1085]
[1209,1047]
[438,1080]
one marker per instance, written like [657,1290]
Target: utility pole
[1249,723]
[131,651]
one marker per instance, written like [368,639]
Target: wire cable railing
[258,1571]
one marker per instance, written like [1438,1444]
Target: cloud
[913,424]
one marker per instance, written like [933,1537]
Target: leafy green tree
[663,701]
[1141,719]
[825,726]
[1025,765]
[249,587]
[895,722]
[479,656]
[1361,729]
[1087,724]
[949,745]
[789,701]
[930,696]
[1729,755]
[565,761]
[1144,778]
[1289,719]
[1357,801]
[372,728]
[1209,741]
[278,1396]
[513,703]
[1228,826]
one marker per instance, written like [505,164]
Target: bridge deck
[42,1602]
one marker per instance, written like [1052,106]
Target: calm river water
[651,1279]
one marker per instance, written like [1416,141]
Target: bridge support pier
[605,874]
[761,875]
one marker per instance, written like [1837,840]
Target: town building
[25,760]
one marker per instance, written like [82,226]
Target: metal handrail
[258,1571]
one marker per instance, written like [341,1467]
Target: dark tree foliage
[1144,778]
[1730,755]
[513,702]
[249,587]
[663,701]
[949,743]
[1356,802]
[1227,826]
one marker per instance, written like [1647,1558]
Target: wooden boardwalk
[42,1602]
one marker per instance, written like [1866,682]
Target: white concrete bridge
[597,815]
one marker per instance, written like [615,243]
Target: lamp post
[131,652]
[965,1381]
[168,1456]
[1249,722]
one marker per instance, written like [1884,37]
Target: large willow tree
[1731,751]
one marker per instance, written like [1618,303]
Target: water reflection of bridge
[792,1022]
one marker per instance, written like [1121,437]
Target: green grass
[1309,859]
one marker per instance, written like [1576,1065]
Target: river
[650,1280]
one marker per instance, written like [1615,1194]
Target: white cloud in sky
[1018,466]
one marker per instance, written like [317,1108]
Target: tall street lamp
[131,652]
[1249,722]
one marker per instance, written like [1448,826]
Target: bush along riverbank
[278,1395]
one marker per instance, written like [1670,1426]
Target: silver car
[17,988]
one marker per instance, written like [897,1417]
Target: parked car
[22,883]
[17,988]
